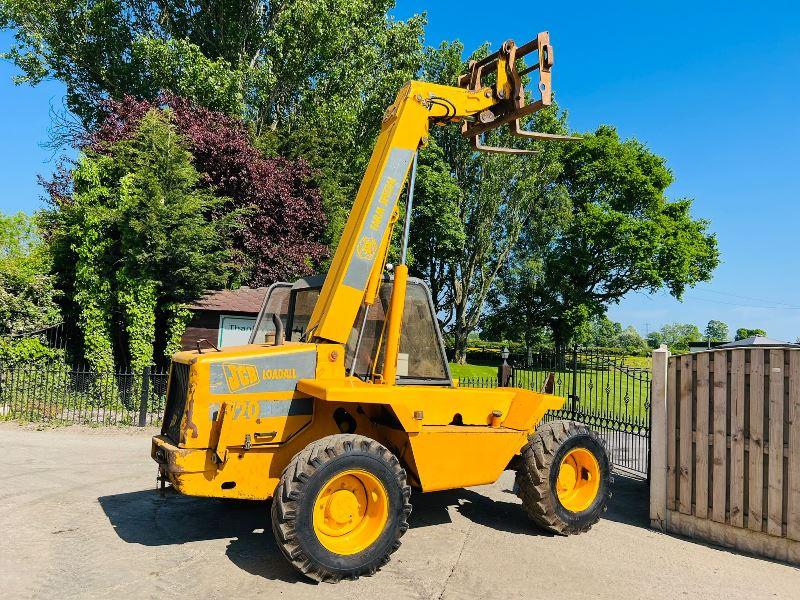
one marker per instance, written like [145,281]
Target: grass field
[611,392]
[464,371]
[485,370]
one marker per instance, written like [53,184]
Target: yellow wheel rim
[578,480]
[350,512]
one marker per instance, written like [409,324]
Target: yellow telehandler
[343,400]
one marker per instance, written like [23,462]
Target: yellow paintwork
[578,480]
[250,409]
[350,512]
[202,412]
[520,409]
[436,453]
[393,323]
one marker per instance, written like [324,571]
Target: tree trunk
[459,345]
[562,333]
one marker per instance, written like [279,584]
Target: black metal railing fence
[600,389]
[58,393]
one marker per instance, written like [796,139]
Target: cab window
[276,301]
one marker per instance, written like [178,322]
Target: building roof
[243,300]
[758,340]
[705,344]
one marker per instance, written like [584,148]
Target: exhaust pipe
[276,320]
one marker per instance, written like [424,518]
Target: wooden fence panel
[793,504]
[775,475]
[756,448]
[701,437]
[737,439]
[686,436]
[671,433]
[720,436]
[732,421]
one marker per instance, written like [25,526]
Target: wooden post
[775,461]
[701,438]
[720,420]
[756,453]
[793,504]
[504,375]
[685,473]
[736,489]
[658,440]
[672,432]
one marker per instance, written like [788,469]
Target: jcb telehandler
[343,401]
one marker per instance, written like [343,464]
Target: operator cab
[421,359]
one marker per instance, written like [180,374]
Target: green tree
[655,339]
[717,331]
[743,333]
[27,292]
[621,235]
[312,77]
[678,335]
[599,331]
[264,57]
[603,332]
[631,340]
[137,238]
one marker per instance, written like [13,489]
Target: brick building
[224,317]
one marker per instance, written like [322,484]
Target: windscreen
[276,302]
[420,355]
[304,301]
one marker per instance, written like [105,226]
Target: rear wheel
[564,477]
[341,507]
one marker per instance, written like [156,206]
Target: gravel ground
[80,519]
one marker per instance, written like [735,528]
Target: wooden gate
[726,448]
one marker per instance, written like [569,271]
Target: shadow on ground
[630,501]
[629,504]
[433,508]
[145,518]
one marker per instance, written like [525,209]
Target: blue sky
[712,87]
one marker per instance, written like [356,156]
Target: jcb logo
[240,377]
[367,247]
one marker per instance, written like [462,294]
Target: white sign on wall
[234,331]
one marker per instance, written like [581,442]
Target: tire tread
[533,475]
[296,476]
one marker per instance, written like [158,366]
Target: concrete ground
[80,519]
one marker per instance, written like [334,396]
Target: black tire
[301,482]
[538,472]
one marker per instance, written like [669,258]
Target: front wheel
[340,508]
[564,477]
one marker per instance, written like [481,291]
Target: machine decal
[380,210]
[271,373]
[263,409]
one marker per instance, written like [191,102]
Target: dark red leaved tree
[281,237]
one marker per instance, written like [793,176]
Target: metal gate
[601,391]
